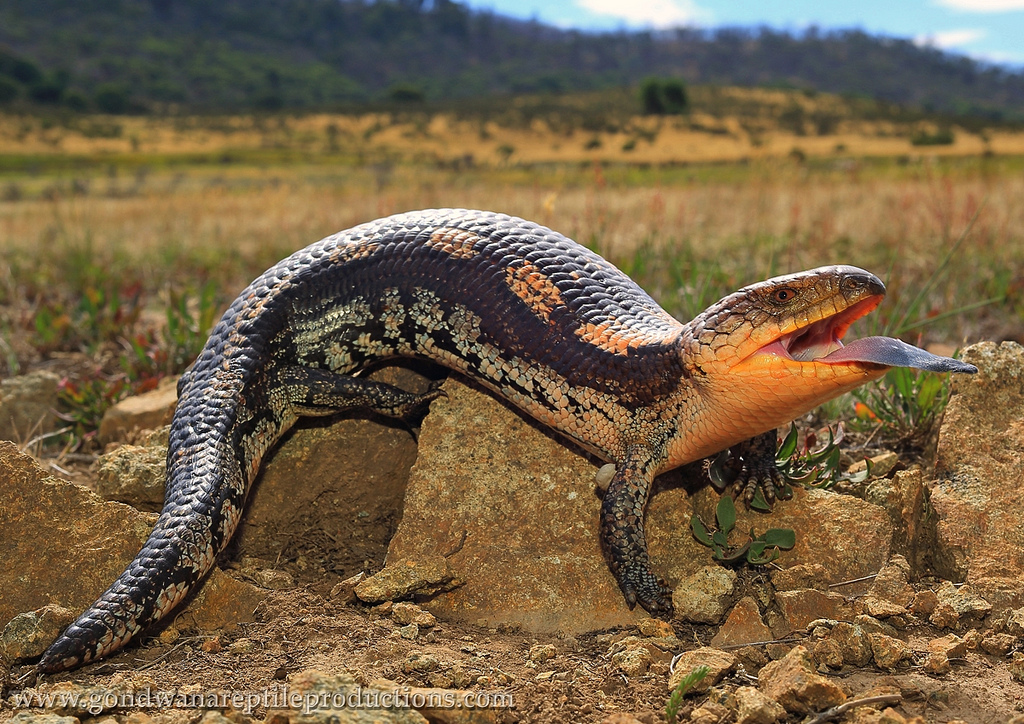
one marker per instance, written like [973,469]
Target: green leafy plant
[906,402]
[807,463]
[756,550]
[681,690]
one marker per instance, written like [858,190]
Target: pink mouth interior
[821,342]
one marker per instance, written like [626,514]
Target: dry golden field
[692,207]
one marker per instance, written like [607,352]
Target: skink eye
[785,294]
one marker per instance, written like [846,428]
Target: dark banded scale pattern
[542,321]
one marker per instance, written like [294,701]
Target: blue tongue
[896,353]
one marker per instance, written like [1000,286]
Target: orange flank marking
[612,337]
[456,243]
[535,289]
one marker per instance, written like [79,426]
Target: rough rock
[29,717]
[890,593]
[28,634]
[518,513]
[535,559]
[49,523]
[27,404]
[147,411]
[848,536]
[335,699]
[133,474]
[853,643]
[978,497]
[968,605]
[802,575]
[406,613]
[68,543]
[743,626]
[222,602]
[753,707]
[719,662]
[406,577]
[793,683]
[887,650]
[704,596]
[1017,666]
[800,608]
[905,499]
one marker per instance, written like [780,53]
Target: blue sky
[990,30]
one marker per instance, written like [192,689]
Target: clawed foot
[653,595]
[749,469]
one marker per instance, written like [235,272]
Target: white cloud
[652,13]
[947,39]
[983,6]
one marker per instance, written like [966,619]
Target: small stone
[924,602]
[147,411]
[28,635]
[410,631]
[419,661]
[134,475]
[656,628]
[937,663]
[888,651]
[793,683]
[952,646]
[406,613]
[27,404]
[275,580]
[1017,667]
[405,577]
[719,662]
[968,605]
[704,596]
[743,626]
[753,707]
[542,652]
[827,652]
[1015,622]
[633,661]
[881,465]
[344,593]
[944,616]
[853,642]
[29,717]
[222,603]
[708,713]
[800,608]
[243,646]
[998,644]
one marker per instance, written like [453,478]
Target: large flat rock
[516,512]
[978,498]
[59,542]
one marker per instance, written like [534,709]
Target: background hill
[233,55]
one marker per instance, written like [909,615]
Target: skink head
[772,351]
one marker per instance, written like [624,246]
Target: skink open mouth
[818,340]
[821,342]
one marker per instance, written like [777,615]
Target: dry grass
[735,224]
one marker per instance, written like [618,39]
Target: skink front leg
[622,532]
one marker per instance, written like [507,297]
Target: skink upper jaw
[815,307]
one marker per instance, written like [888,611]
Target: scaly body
[546,324]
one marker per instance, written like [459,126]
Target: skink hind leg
[623,537]
[312,391]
